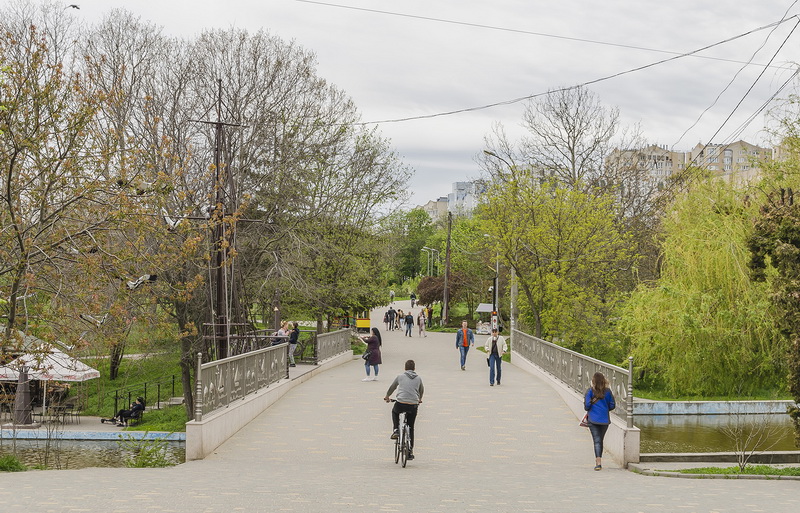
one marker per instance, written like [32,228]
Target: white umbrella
[49,365]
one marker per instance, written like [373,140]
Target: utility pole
[446,299]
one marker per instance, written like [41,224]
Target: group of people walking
[397,319]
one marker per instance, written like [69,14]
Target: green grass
[10,463]
[661,395]
[506,357]
[756,470]
[172,419]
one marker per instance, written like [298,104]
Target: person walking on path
[401,319]
[409,323]
[464,340]
[386,320]
[421,323]
[409,396]
[599,401]
[374,349]
[495,347]
[294,337]
[413,299]
[391,296]
[392,315]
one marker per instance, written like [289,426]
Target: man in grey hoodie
[409,397]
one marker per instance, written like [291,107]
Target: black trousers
[411,416]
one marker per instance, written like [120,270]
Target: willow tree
[704,327]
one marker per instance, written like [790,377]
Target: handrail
[575,370]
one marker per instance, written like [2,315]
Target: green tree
[568,254]
[775,244]
[704,317]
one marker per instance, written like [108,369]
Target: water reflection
[77,454]
[705,433]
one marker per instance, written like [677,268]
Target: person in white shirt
[495,349]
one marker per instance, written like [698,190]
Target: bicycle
[402,444]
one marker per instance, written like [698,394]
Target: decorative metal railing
[576,370]
[222,382]
[333,343]
[225,381]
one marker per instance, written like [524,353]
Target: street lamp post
[494,287]
[434,258]
[428,260]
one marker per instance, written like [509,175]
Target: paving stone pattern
[325,447]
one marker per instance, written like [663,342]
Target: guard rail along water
[574,371]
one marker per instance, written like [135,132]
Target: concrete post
[630,391]
[198,390]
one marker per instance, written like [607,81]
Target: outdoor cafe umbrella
[48,365]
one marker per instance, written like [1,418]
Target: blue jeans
[366,366]
[464,350]
[409,327]
[598,432]
[494,361]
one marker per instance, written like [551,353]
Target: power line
[590,82]
[753,56]
[736,107]
[520,31]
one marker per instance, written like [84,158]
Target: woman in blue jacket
[599,401]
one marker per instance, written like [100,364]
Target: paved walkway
[325,447]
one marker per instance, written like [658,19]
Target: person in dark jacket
[374,349]
[599,401]
[409,324]
[123,416]
[294,337]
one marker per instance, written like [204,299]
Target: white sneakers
[370,378]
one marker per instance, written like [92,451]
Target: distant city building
[436,209]
[463,200]
[465,197]
[738,162]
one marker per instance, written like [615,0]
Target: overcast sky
[423,57]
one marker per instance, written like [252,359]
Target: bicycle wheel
[405,445]
[397,449]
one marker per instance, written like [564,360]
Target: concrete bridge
[324,447]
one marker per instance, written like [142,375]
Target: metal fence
[224,381]
[333,343]
[575,370]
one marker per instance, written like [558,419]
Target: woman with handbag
[598,402]
[372,356]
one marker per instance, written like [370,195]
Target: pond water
[713,433]
[77,454]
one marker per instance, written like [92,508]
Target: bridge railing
[576,370]
[222,382]
[333,343]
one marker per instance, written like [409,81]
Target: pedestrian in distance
[421,323]
[374,349]
[391,296]
[413,299]
[294,337]
[409,396]
[599,401]
[495,349]
[386,320]
[401,319]
[464,340]
[392,315]
[409,323]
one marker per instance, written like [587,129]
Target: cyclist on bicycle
[409,397]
